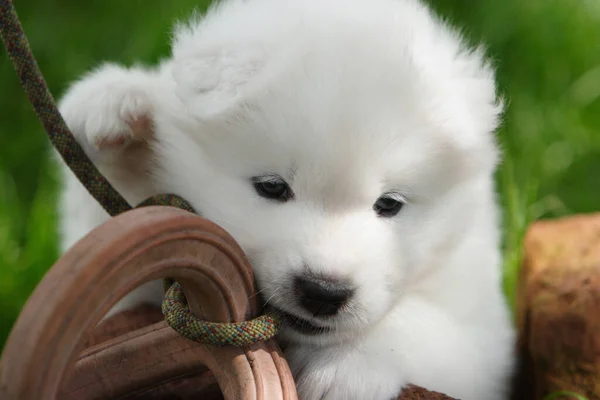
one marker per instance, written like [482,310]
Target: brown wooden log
[559,308]
[41,359]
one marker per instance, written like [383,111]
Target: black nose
[321,297]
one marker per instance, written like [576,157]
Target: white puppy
[348,146]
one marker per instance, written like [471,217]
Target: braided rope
[44,106]
[236,334]
[174,307]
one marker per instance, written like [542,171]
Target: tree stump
[558,308]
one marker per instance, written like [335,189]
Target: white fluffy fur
[346,100]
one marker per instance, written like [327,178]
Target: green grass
[548,68]
[564,395]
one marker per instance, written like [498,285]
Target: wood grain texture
[559,308]
[113,332]
[42,355]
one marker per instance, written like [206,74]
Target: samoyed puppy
[348,146]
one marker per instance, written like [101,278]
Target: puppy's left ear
[210,77]
[211,82]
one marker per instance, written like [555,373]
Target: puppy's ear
[212,82]
[210,74]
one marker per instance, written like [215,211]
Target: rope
[236,334]
[174,307]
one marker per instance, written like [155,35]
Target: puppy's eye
[388,205]
[273,188]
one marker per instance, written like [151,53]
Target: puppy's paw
[347,374]
[110,108]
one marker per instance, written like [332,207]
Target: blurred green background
[547,53]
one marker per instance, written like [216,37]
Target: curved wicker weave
[43,360]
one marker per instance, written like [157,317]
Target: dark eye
[388,205]
[273,188]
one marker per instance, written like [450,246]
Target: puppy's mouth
[301,325]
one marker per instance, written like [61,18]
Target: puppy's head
[346,145]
